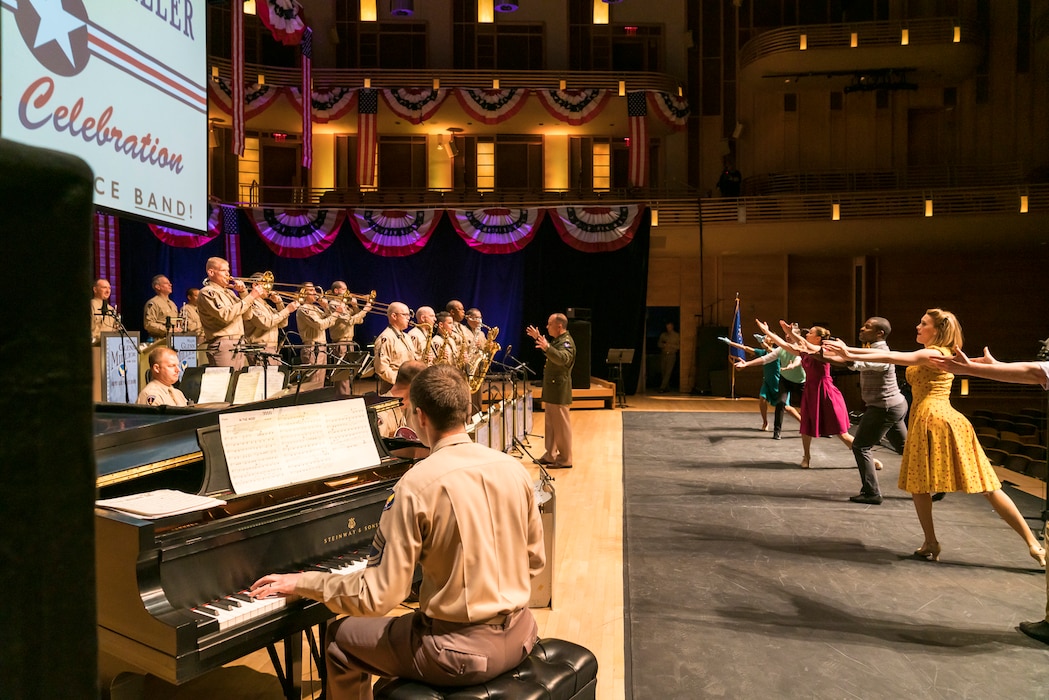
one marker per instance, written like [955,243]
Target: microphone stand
[124,336]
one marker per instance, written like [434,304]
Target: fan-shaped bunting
[574,107]
[394,232]
[415,105]
[491,106]
[329,104]
[297,233]
[177,238]
[282,18]
[670,108]
[256,97]
[594,229]
[497,229]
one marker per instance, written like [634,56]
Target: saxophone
[478,370]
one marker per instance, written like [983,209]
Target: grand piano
[170,590]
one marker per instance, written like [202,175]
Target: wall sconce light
[563,85]
[368,11]
[213,139]
[905,37]
[957,34]
[600,12]
[928,206]
[367,82]
[249,7]
[803,43]
[495,84]
[854,40]
[680,91]
[262,79]
[835,212]
[214,72]
[436,83]
[485,12]
[622,88]
[655,217]
[965,387]
[1023,204]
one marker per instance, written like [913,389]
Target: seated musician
[103,314]
[424,320]
[466,513]
[164,367]
[393,347]
[314,318]
[223,305]
[263,327]
[444,349]
[160,315]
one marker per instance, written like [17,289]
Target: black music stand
[350,366]
[617,357]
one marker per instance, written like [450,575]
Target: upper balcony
[863,55]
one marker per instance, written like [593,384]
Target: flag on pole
[306,48]
[737,333]
[237,97]
[367,113]
[637,115]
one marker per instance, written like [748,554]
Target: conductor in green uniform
[557,389]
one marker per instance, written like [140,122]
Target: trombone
[293,292]
[353,299]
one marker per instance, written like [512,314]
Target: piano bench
[555,670]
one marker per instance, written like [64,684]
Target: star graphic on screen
[55,25]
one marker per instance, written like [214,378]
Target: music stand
[617,357]
[350,366]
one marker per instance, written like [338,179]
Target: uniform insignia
[567,345]
[377,548]
[151,400]
[389,502]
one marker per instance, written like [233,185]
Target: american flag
[367,111]
[231,228]
[307,97]
[238,79]
[637,113]
[737,333]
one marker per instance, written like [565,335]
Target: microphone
[508,349]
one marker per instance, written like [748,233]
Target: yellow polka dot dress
[942,452]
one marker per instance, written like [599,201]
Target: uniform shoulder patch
[151,400]
[389,501]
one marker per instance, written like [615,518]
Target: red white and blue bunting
[329,104]
[414,105]
[597,229]
[491,106]
[178,238]
[282,18]
[394,232]
[574,107]
[256,97]
[497,230]
[671,109]
[297,233]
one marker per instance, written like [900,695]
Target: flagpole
[737,330]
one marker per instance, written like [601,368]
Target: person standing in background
[160,314]
[669,344]
[222,314]
[103,314]
[190,315]
[557,389]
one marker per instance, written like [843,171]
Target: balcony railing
[938,176]
[936,30]
[683,208]
[451,78]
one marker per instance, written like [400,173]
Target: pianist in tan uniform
[160,313]
[222,311]
[393,347]
[465,513]
[161,391]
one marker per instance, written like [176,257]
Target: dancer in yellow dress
[942,452]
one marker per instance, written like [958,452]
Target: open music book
[275,447]
[214,385]
[159,504]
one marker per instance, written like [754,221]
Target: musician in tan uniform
[455,308]
[190,315]
[473,327]
[103,314]
[263,328]
[222,312]
[425,318]
[390,421]
[160,314]
[466,514]
[393,347]
[341,332]
[444,349]
[165,367]
[314,318]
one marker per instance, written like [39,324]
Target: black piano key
[200,617]
[315,567]
[224,604]
[243,597]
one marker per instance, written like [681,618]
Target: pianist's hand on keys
[284,584]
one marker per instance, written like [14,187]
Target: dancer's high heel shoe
[928,551]
[804,462]
[1038,554]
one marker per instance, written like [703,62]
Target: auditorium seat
[1017,463]
[987,440]
[555,670]
[996,456]
[1010,446]
[1038,469]
[1035,452]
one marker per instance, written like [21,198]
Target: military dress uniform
[263,328]
[468,515]
[417,336]
[557,397]
[191,321]
[313,323]
[222,315]
[159,394]
[155,317]
[341,334]
[392,349]
[102,321]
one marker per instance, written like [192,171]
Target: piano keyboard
[239,608]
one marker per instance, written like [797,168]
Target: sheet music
[249,386]
[214,385]
[157,504]
[274,447]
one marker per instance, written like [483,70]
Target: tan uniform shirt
[99,323]
[392,349]
[158,394]
[444,351]
[154,317]
[313,321]
[192,321]
[265,324]
[467,514]
[417,336]
[342,330]
[222,313]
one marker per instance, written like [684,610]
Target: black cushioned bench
[555,670]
